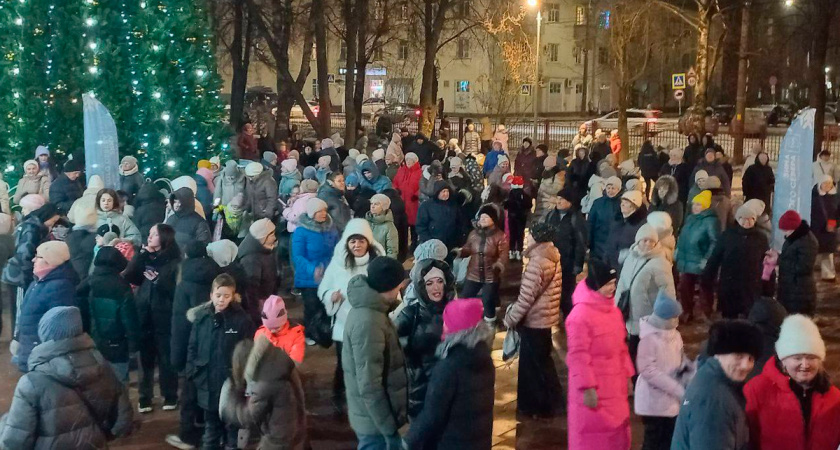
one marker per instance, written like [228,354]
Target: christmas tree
[150,62]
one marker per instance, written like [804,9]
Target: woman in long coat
[824,215]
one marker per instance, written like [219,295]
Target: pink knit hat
[462,314]
[274,314]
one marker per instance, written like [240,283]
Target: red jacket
[289,339]
[407,181]
[775,417]
[247,147]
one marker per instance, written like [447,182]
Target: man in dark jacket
[601,218]
[712,415]
[131,180]
[149,209]
[70,398]
[648,162]
[373,362]
[441,218]
[425,150]
[328,149]
[66,189]
[255,256]
[189,225]
[569,236]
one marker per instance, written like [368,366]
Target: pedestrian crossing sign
[678,81]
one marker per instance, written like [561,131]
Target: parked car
[636,120]
[755,122]
[778,114]
[372,106]
[398,112]
[712,124]
[724,113]
[297,111]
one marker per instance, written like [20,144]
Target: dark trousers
[517,235]
[658,432]
[338,376]
[688,281]
[311,305]
[154,349]
[190,415]
[217,435]
[489,296]
[633,349]
[413,231]
[567,288]
[402,248]
[485,146]
[538,390]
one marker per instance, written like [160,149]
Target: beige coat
[35,184]
[538,304]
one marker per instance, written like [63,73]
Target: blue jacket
[58,288]
[492,160]
[601,218]
[288,181]
[377,183]
[312,247]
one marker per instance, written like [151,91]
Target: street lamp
[536,88]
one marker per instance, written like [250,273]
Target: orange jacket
[289,339]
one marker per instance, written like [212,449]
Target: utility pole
[741,95]
[586,21]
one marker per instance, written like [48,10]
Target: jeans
[379,442]
[538,389]
[489,296]
[155,349]
[217,435]
[658,432]
[121,371]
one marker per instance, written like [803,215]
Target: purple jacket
[658,392]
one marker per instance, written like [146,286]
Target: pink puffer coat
[658,393]
[538,304]
[597,358]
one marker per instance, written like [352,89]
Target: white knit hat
[378,154]
[502,158]
[614,181]
[55,253]
[647,231]
[382,199]
[261,229]
[799,336]
[253,169]
[634,197]
[660,220]
[353,153]
[313,205]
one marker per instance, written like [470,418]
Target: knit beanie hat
[72,165]
[613,181]
[60,322]
[455,164]
[41,150]
[462,314]
[799,336]
[253,169]
[270,157]
[745,212]
[294,154]
[568,194]
[627,167]
[704,198]
[411,156]
[204,164]
[353,153]
[542,232]
[55,253]
[381,199]
[599,274]
[647,231]
[666,307]
[313,205]
[261,229]
[324,161]
[31,162]
[308,186]
[789,221]
[231,169]
[756,205]
[431,249]
[132,161]
[385,274]
[633,184]
[378,154]
[327,143]
[734,336]
[5,223]
[660,221]
[310,173]
[502,159]
[713,183]
[274,315]
[288,165]
[361,158]
[223,252]
[700,175]
[32,202]
[634,197]
[550,161]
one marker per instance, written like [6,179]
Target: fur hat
[542,232]
[223,252]
[382,199]
[790,220]
[634,197]
[491,212]
[313,205]
[261,229]
[647,231]
[799,336]
[60,322]
[431,249]
[666,307]
[253,169]
[599,274]
[385,274]
[462,314]
[288,165]
[270,157]
[704,198]
[274,315]
[55,253]
[734,336]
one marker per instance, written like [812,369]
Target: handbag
[320,327]
[510,346]
[624,300]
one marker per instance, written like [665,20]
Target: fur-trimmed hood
[262,354]
[206,309]
[673,190]
[469,338]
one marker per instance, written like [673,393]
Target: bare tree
[324,101]
[235,34]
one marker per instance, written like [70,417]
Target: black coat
[824,209]
[197,276]
[797,287]
[767,314]
[693,152]
[260,272]
[63,192]
[28,236]
[426,151]
[437,219]
[149,209]
[154,297]
[81,242]
[759,182]
[458,414]
[400,220]
[623,235]
[518,206]
[599,151]
[578,174]
[189,225]
[670,203]
[739,257]
[569,237]
[419,326]
[648,162]
[682,173]
[600,221]
[212,340]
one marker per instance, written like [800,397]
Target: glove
[590,398]
[499,268]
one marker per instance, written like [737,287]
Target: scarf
[131,171]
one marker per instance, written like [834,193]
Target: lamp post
[536,88]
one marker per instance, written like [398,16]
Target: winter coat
[395,146]
[428,180]
[487,248]
[212,340]
[569,237]
[597,358]
[407,182]
[660,356]
[33,184]
[739,255]
[149,209]
[385,232]
[127,228]
[194,287]
[797,286]
[824,211]
[525,165]
[312,247]
[153,298]
[474,173]
[648,274]
[337,276]
[227,188]
[426,151]
[288,181]
[288,338]
[767,314]
[373,362]
[87,202]
[203,194]
[693,152]
[697,242]
[518,206]
[295,210]
[775,415]
[57,288]
[681,173]
[378,181]
[29,234]
[337,206]
[538,303]
[63,192]
[600,222]
[714,169]
[273,399]
[260,266]
[189,225]
[439,219]
[458,414]
[492,160]
[131,184]
[580,170]
[501,135]
[335,161]
[712,413]
[5,205]
[81,241]
[261,196]
[65,401]
[113,314]
[247,145]
[623,235]
[759,182]
[471,143]
[648,162]
[670,204]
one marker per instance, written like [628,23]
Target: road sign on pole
[773,80]
[691,77]
[678,81]
[679,94]
[525,89]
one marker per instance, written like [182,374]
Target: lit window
[462,86]
[580,15]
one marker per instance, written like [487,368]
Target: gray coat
[261,196]
[66,399]
[337,206]
[652,273]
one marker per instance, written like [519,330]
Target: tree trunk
[324,101]
[821,26]
[624,89]
[698,110]
[362,57]
[741,95]
[428,105]
[285,100]
[240,57]
[351,27]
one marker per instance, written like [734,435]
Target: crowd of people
[614,251]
